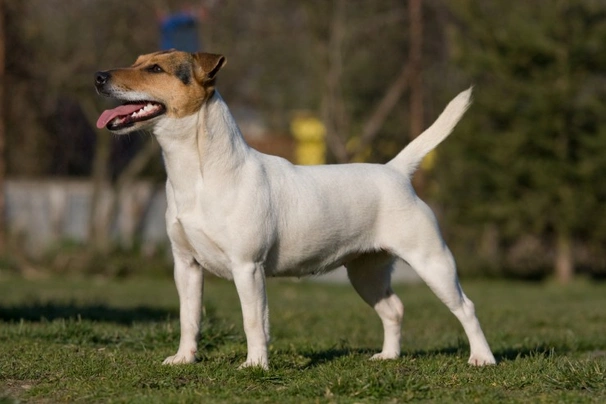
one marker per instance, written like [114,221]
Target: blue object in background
[180,31]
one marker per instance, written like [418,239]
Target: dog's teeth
[146,109]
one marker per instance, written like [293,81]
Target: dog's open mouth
[130,113]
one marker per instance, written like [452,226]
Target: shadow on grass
[506,354]
[98,312]
[318,358]
[500,355]
[510,354]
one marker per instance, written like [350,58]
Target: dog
[244,216]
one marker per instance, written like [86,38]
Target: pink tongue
[110,114]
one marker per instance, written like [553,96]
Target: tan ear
[207,65]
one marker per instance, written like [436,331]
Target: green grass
[92,340]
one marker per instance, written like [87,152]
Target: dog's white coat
[244,215]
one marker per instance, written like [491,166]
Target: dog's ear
[206,66]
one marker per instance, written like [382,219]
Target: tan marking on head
[181,81]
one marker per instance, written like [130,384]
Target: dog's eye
[155,69]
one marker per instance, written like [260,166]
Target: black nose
[101,78]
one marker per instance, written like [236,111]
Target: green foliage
[525,167]
[531,156]
[108,341]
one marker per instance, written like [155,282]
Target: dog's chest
[204,249]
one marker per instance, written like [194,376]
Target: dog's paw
[384,356]
[251,364]
[481,360]
[179,359]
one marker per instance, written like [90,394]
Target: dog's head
[170,83]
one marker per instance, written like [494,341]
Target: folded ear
[207,65]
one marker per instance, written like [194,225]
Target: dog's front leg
[250,283]
[189,279]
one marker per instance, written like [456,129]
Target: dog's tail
[409,159]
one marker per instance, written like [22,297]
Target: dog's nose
[101,78]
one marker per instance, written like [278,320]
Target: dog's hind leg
[370,275]
[422,247]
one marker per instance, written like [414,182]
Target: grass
[95,340]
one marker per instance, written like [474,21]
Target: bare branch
[375,122]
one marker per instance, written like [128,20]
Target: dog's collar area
[129,113]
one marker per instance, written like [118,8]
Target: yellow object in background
[309,133]
[429,161]
[361,156]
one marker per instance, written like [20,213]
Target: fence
[44,212]
[41,213]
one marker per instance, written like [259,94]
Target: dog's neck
[221,146]
[205,145]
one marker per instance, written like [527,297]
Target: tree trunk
[564,261]
[127,178]
[416,80]
[99,223]
[2,132]
[333,109]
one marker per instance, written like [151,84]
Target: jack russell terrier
[244,215]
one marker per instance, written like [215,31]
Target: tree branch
[375,121]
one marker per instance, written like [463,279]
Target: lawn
[100,340]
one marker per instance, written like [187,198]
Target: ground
[99,340]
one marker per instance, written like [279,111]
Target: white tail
[409,159]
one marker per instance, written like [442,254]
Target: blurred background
[519,188]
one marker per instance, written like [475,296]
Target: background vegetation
[520,186]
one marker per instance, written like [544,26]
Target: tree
[349,58]
[416,81]
[360,93]
[61,31]
[534,151]
[2,131]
